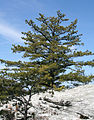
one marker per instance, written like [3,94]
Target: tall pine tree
[51,49]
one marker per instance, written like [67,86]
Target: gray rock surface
[69,104]
[81,99]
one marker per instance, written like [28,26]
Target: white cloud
[10,33]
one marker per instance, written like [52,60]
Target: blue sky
[14,12]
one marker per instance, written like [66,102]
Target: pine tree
[51,49]
[15,85]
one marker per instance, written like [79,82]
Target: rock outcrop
[69,104]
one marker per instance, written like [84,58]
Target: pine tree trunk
[25,114]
